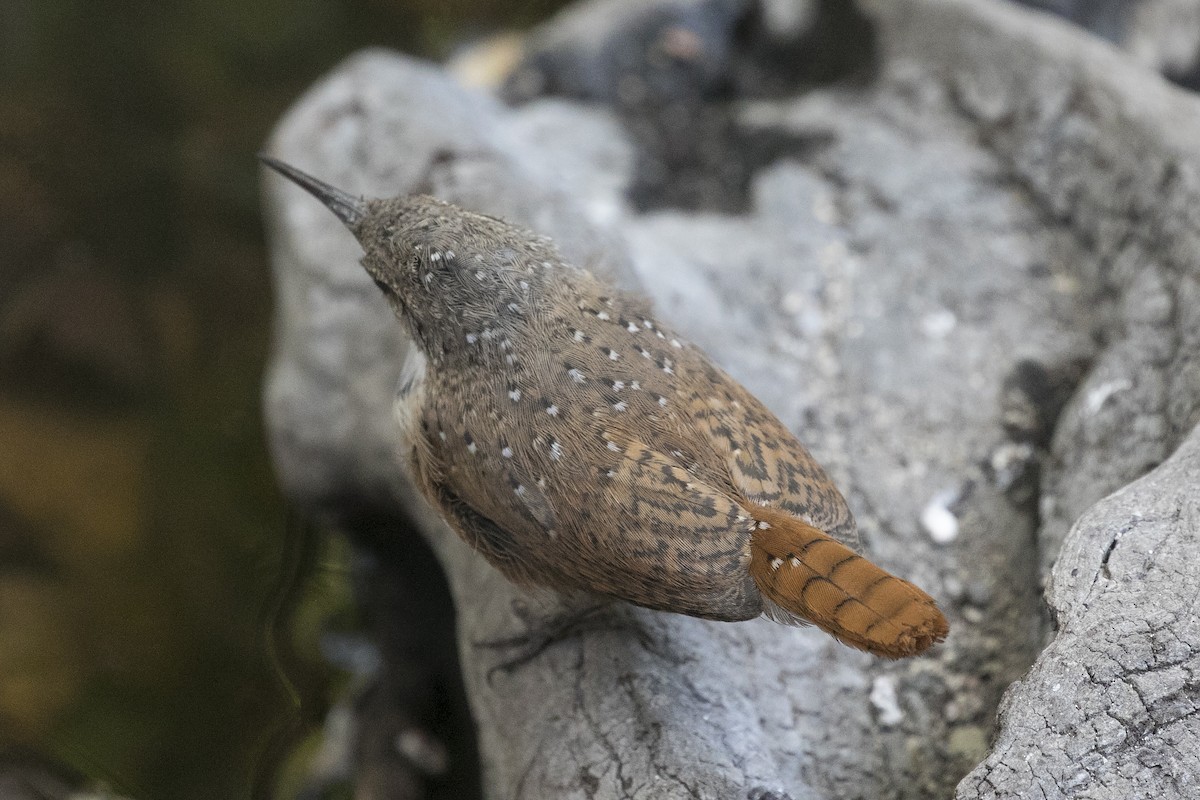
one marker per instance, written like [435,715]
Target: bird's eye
[383,287]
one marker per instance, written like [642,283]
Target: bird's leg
[575,616]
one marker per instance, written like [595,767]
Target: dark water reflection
[159,614]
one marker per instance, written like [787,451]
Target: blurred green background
[158,612]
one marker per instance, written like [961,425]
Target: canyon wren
[578,443]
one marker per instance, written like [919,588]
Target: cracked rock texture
[967,276]
[1112,707]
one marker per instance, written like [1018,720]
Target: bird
[580,444]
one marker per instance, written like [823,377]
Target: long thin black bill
[349,209]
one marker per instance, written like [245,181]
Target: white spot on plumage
[576,375]
[776,563]
[612,473]
[546,265]
[660,334]
[449,254]
[647,324]
[480,275]
[472,447]
[435,256]
[428,278]
[552,411]
[675,343]
[506,452]
[621,406]
[645,353]
[633,328]
[614,447]
[762,526]
[520,490]
[505,344]
[580,336]
[510,359]
[613,355]
[602,315]
[662,401]
[541,482]
[515,394]
[795,561]
[478,257]
[524,286]
[556,451]
[513,307]
[618,385]
[472,338]
[636,385]
[442,435]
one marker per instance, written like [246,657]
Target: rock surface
[1161,34]
[969,283]
[1112,707]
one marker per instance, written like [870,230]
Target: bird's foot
[543,631]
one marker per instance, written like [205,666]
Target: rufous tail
[818,579]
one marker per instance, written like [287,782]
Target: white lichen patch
[884,700]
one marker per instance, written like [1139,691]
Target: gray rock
[1111,152]
[1007,192]
[1161,34]
[1165,35]
[1112,707]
